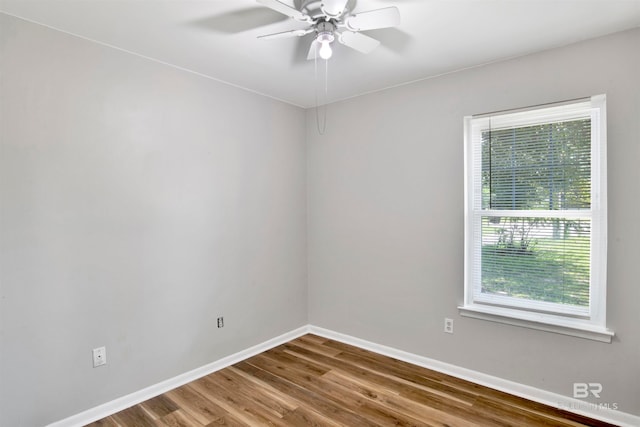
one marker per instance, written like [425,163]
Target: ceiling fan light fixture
[325,38]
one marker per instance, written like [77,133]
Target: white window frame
[569,320]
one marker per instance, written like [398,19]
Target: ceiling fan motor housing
[317,9]
[333,9]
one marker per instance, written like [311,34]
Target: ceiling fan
[332,20]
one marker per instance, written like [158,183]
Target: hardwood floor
[314,381]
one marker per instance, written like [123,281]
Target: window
[536,219]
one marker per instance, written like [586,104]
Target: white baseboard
[535,394]
[139,396]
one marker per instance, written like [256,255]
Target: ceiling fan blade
[285,10]
[358,41]
[313,50]
[286,34]
[333,8]
[374,19]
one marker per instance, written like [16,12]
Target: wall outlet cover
[448,325]
[99,356]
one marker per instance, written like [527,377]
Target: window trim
[591,323]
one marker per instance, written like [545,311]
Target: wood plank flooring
[314,381]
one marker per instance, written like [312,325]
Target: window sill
[542,322]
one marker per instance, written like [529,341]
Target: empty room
[319,212]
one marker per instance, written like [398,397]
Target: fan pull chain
[323,128]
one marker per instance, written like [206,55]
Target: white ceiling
[217,38]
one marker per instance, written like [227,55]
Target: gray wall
[138,203]
[385,227]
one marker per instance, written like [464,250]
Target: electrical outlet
[99,356]
[448,325]
[220,322]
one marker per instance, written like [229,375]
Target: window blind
[532,180]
